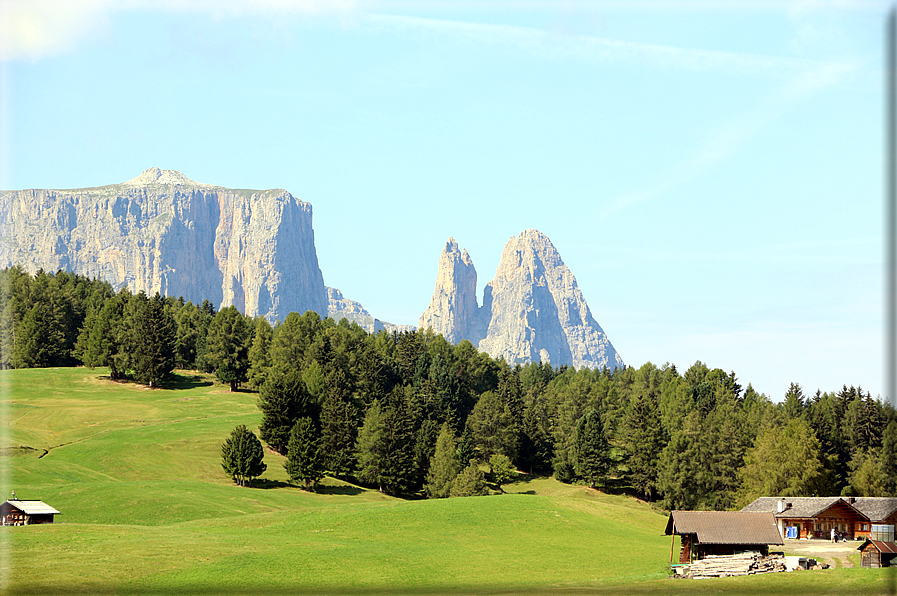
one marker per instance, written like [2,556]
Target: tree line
[410,413]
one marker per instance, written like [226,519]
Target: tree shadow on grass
[265,484]
[345,489]
[182,381]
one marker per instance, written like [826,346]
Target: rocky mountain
[532,310]
[453,311]
[162,232]
[340,307]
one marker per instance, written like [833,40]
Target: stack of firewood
[740,564]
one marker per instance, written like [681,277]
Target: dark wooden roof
[726,527]
[884,547]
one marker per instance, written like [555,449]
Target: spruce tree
[282,400]
[591,449]
[466,450]
[443,465]
[151,341]
[242,455]
[304,459]
[259,359]
[339,431]
[644,440]
[398,471]
[888,459]
[227,342]
[371,444]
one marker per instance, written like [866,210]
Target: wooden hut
[15,512]
[705,533]
[876,553]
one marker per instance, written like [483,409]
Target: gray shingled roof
[801,507]
[876,508]
[726,527]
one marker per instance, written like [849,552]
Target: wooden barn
[876,553]
[705,533]
[23,513]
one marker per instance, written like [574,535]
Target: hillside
[147,509]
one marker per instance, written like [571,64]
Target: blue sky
[711,172]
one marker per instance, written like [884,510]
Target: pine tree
[304,459]
[371,445]
[536,449]
[424,448]
[644,439]
[470,482]
[794,402]
[591,449]
[98,342]
[242,456]
[466,450]
[282,400]
[398,470]
[259,360]
[493,427]
[443,465]
[888,460]
[151,341]
[227,343]
[339,431]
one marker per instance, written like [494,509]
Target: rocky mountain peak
[453,310]
[532,310]
[156,176]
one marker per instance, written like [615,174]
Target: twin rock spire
[532,310]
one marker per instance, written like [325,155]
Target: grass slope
[146,509]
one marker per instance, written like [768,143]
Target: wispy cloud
[550,44]
[728,140]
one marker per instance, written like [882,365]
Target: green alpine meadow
[147,508]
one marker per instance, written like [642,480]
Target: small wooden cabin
[23,513]
[876,553]
[705,533]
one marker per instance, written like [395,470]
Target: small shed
[876,553]
[705,533]
[15,512]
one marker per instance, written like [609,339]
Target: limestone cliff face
[453,310]
[532,310]
[162,232]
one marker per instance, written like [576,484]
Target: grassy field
[146,509]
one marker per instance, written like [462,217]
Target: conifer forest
[415,416]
